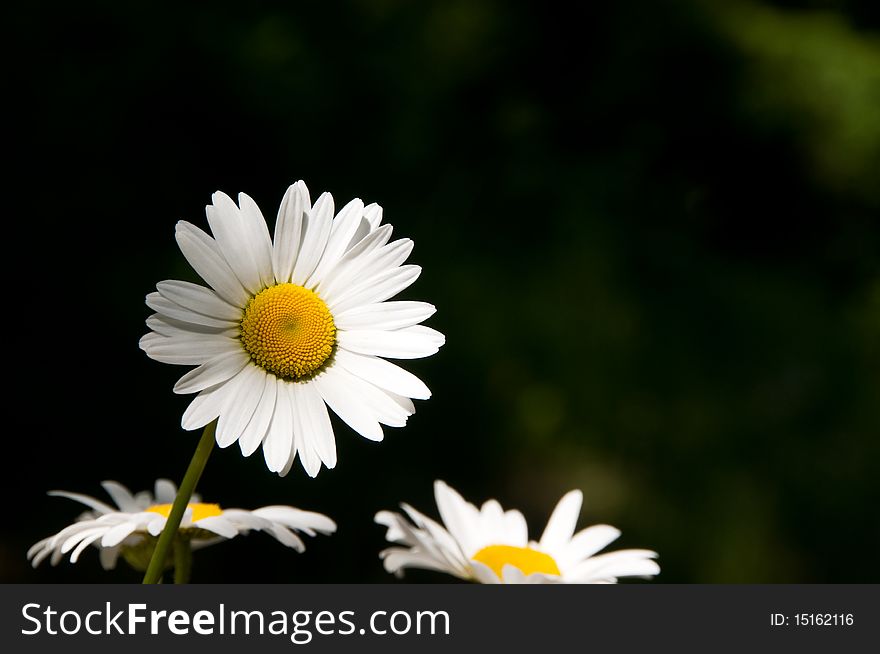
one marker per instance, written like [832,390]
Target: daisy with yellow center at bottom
[291,325]
[491,546]
[131,529]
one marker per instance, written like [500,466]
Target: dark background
[650,229]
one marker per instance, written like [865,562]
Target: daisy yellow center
[529,561]
[288,331]
[199,510]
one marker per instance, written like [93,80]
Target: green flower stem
[183,558]
[184,493]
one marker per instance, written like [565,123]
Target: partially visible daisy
[132,528]
[491,546]
[292,324]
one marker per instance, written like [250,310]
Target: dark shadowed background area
[651,229]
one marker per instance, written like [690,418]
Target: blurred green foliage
[814,76]
[652,230]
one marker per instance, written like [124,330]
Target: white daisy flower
[292,325]
[132,528]
[489,545]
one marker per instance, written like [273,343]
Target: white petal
[404,403]
[515,528]
[357,273]
[39,551]
[157,524]
[293,452]
[117,534]
[246,520]
[632,568]
[395,559]
[410,343]
[198,299]
[288,230]
[205,407]
[346,271]
[460,517]
[342,231]
[74,557]
[433,538]
[109,556]
[308,521]
[340,397]
[145,498]
[89,501]
[316,231]
[36,558]
[203,254]
[585,543]
[280,529]
[233,239]
[360,252]
[309,458]
[483,573]
[384,258]
[316,429]
[218,525]
[512,575]
[362,231]
[562,522]
[187,350]
[259,241]
[542,578]
[212,372]
[287,537]
[258,426]
[171,309]
[167,326]
[246,390]
[492,523]
[390,520]
[120,494]
[623,563]
[385,406]
[377,289]
[279,440]
[165,491]
[71,542]
[383,374]
[384,315]
[373,214]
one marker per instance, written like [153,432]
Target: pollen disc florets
[288,330]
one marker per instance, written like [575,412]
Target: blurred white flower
[489,545]
[132,528]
